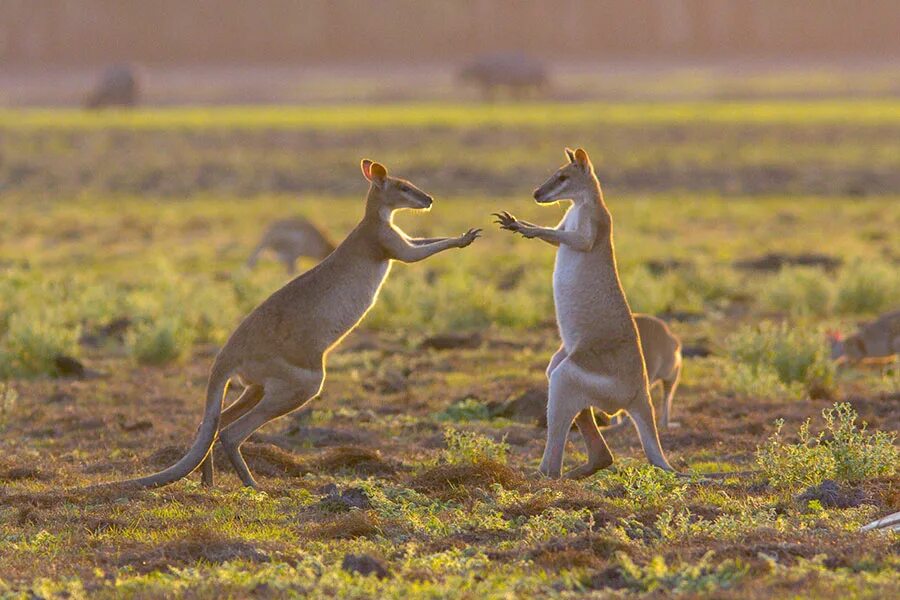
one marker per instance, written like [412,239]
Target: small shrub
[841,452]
[556,523]
[159,342]
[800,291]
[644,485]
[467,409]
[795,356]
[687,578]
[471,447]
[756,382]
[32,344]
[857,453]
[791,466]
[649,487]
[867,287]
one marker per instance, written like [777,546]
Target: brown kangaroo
[279,351]
[662,355]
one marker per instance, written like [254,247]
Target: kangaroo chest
[588,298]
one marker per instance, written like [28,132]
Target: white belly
[568,295]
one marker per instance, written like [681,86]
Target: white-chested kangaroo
[600,363]
[291,239]
[278,352]
[662,356]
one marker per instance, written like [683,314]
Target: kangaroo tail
[206,436]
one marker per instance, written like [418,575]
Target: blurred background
[151,142]
[230,51]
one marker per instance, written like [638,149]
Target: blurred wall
[90,32]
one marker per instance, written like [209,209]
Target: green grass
[878,112]
[150,215]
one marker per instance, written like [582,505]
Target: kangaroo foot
[588,469]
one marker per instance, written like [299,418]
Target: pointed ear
[366,166]
[582,159]
[373,171]
[570,154]
[378,173]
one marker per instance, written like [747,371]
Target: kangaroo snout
[427,201]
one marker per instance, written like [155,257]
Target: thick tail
[206,435]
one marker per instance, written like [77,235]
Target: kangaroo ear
[570,155]
[373,171]
[378,172]
[582,160]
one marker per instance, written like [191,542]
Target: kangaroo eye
[403,188]
[563,177]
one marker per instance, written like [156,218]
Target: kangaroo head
[836,341]
[570,180]
[392,193]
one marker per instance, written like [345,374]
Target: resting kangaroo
[278,352]
[662,356]
[600,363]
[877,341]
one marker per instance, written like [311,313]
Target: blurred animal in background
[516,73]
[878,341]
[662,355]
[290,239]
[118,86]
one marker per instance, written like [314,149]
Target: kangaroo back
[662,350]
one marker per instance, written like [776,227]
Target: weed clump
[800,291]
[842,452]
[470,461]
[867,287]
[467,409]
[642,484]
[31,345]
[773,358]
[686,578]
[160,342]
[469,447]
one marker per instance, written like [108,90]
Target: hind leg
[249,398]
[571,389]
[669,386]
[599,456]
[641,413]
[560,415]
[281,396]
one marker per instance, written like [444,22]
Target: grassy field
[122,246]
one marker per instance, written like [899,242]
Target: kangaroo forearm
[411,254]
[549,238]
[425,241]
[575,240]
